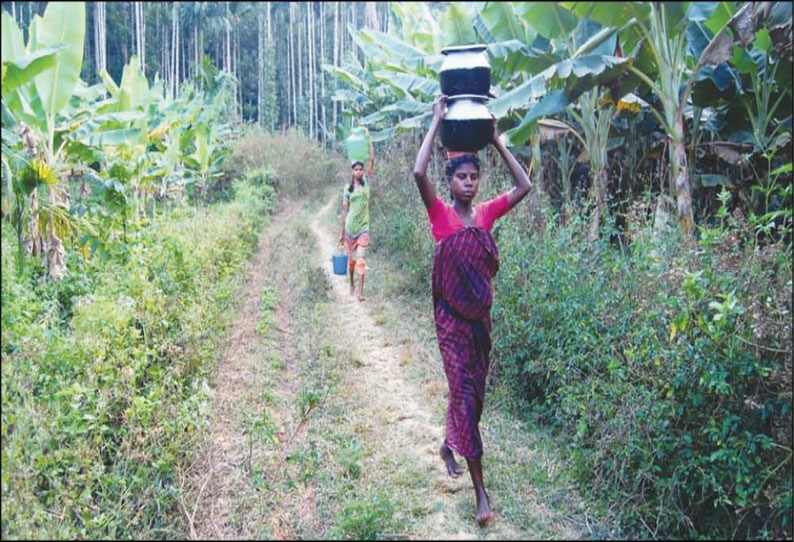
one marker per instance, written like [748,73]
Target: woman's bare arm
[371,157]
[521,183]
[426,189]
[345,207]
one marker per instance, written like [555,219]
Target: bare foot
[484,513]
[352,290]
[453,468]
[361,297]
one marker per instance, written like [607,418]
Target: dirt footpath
[363,459]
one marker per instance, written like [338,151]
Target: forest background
[644,302]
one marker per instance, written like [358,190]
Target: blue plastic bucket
[340,263]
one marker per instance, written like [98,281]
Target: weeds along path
[220,500]
[403,429]
[326,419]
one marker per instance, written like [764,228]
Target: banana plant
[662,30]
[409,64]
[583,54]
[39,79]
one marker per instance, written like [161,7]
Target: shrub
[673,401]
[666,371]
[103,388]
[296,165]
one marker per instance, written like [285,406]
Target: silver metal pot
[468,124]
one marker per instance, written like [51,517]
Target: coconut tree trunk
[227,57]
[335,56]
[309,75]
[313,71]
[99,35]
[291,69]
[299,61]
[371,15]
[322,72]
[175,50]
[260,63]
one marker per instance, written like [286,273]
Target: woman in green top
[355,221]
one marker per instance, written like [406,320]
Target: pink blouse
[445,221]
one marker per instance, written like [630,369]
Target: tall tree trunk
[309,66]
[196,55]
[99,35]
[136,12]
[133,34]
[165,65]
[239,73]
[599,193]
[260,61]
[683,190]
[335,57]
[323,122]
[312,59]
[175,51]
[141,33]
[371,15]
[300,66]
[227,62]
[291,70]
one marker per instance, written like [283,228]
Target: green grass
[103,389]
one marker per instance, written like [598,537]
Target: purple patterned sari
[463,267]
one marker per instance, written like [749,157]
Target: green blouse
[358,213]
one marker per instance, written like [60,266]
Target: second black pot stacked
[466,78]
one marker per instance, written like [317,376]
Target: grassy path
[328,414]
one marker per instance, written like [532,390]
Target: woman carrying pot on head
[466,259]
[355,221]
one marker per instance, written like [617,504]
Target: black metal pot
[465,70]
[468,124]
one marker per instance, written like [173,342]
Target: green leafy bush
[665,370]
[295,165]
[103,390]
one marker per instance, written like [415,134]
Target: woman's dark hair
[455,163]
[458,161]
[363,182]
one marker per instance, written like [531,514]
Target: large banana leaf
[418,26]
[122,136]
[408,82]
[62,23]
[351,96]
[21,71]
[547,18]
[133,86]
[456,26]
[13,43]
[608,13]
[502,23]
[110,84]
[368,47]
[392,44]
[392,49]
[345,76]
[399,107]
[575,74]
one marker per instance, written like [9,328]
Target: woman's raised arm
[371,157]
[521,184]
[423,157]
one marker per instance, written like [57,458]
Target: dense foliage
[104,384]
[132,195]
[666,371]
